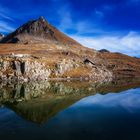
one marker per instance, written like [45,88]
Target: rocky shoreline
[25,67]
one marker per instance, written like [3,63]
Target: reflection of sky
[129,100]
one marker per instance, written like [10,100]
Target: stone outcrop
[22,69]
[65,65]
[27,68]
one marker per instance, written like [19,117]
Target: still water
[70,111]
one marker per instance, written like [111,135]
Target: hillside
[121,65]
[39,51]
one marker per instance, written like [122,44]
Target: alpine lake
[70,110]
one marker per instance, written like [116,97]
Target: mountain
[38,31]
[39,51]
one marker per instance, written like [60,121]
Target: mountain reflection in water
[80,109]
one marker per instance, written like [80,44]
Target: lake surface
[70,111]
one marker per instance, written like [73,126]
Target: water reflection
[70,110]
[38,102]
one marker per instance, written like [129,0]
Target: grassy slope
[51,54]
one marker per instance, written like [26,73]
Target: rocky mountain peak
[39,31]
[41,18]
[34,27]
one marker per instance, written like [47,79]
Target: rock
[28,68]
[65,65]
[38,31]
[17,67]
[104,51]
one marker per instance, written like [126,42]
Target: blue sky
[126,100]
[109,24]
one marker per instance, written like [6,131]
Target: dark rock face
[19,66]
[38,27]
[87,61]
[38,31]
[103,51]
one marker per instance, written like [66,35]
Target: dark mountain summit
[38,31]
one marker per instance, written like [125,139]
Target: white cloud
[65,18]
[128,44]
[5,27]
[4,13]
[67,22]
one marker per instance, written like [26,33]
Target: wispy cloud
[5,27]
[128,44]
[5,20]
[99,14]
[80,26]
[5,13]
[6,17]
[65,17]
[95,34]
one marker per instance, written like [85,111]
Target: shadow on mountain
[39,102]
